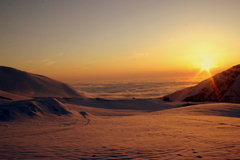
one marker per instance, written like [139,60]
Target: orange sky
[75,40]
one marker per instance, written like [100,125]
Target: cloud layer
[133,88]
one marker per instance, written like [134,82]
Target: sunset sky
[92,39]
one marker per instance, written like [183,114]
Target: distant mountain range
[222,87]
[27,84]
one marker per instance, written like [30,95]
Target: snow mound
[32,85]
[31,108]
[222,87]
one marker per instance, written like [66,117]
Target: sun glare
[206,64]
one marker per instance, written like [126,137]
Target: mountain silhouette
[222,87]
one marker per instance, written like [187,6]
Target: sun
[206,64]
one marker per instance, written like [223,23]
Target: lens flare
[206,64]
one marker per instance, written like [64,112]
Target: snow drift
[222,87]
[34,107]
[32,85]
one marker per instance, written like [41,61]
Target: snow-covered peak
[222,87]
[32,85]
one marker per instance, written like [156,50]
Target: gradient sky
[91,39]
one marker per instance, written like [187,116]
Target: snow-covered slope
[206,131]
[32,85]
[223,87]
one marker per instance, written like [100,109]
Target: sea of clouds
[137,88]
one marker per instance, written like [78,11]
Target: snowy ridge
[31,85]
[223,87]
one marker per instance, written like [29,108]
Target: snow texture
[73,127]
